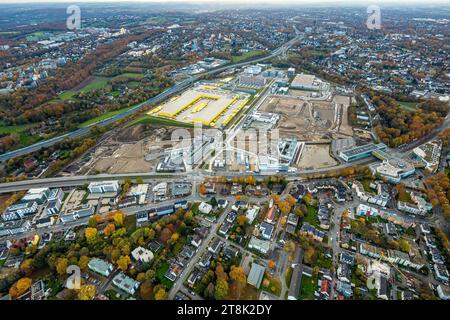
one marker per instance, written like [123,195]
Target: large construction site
[311,120]
[206,104]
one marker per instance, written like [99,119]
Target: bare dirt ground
[305,120]
[343,103]
[126,152]
[311,120]
[316,157]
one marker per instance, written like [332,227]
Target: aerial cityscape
[224,151]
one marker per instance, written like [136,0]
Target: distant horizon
[247,2]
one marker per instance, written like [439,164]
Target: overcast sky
[364,2]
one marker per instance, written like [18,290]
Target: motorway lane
[197,175]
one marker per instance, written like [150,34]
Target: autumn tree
[123,262]
[146,290]
[109,229]
[291,200]
[126,185]
[27,266]
[161,294]
[202,189]
[87,292]
[284,207]
[118,218]
[61,266]
[250,180]
[309,199]
[139,180]
[20,287]
[91,235]
[83,262]
[220,273]
[237,274]
[221,289]
[242,220]
[299,212]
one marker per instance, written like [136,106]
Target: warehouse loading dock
[204,104]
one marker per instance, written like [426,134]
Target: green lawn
[104,116]
[66,95]
[24,137]
[130,223]
[408,106]
[8,33]
[129,76]
[311,217]
[366,185]
[161,121]
[245,56]
[308,286]
[160,272]
[13,129]
[97,83]
[288,277]
[273,285]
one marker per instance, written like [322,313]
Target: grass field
[245,56]
[21,130]
[272,285]
[104,116]
[160,272]
[96,83]
[408,106]
[288,276]
[12,129]
[308,286]
[161,121]
[8,33]
[130,223]
[366,185]
[311,217]
[128,76]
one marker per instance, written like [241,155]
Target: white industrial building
[103,187]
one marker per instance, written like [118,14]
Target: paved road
[197,175]
[178,284]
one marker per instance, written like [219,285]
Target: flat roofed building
[266,117]
[100,266]
[305,81]
[39,195]
[138,190]
[142,255]
[20,210]
[125,283]
[394,169]
[361,152]
[256,275]
[250,80]
[259,245]
[103,186]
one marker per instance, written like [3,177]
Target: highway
[193,176]
[163,95]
